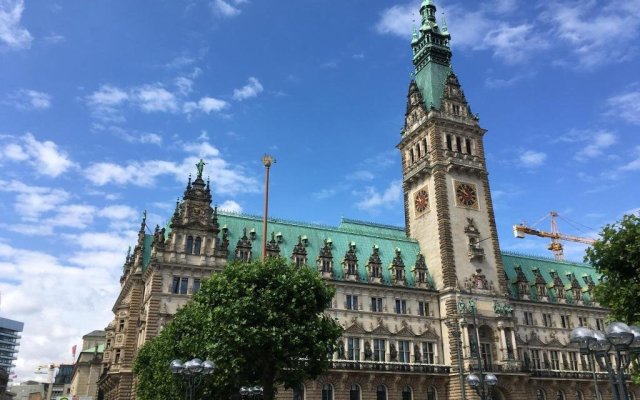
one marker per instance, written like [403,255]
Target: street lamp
[482,383]
[192,372]
[251,392]
[620,341]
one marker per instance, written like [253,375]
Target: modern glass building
[9,342]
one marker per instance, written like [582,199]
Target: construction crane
[51,368]
[519,231]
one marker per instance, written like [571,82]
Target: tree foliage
[259,323]
[617,257]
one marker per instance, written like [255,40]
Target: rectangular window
[468,145]
[528,318]
[600,324]
[184,284]
[403,351]
[196,285]
[547,320]
[459,144]
[175,287]
[117,357]
[352,302]
[353,348]
[379,349]
[449,143]
[535,359]
[423,308]
[582,321]
[401,306]
[573,361]
[121,326]
[428,354]
[555,361]
[376,304]
[565,321]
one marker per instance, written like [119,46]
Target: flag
[73,351]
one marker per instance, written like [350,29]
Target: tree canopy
[617,257]
[259,323]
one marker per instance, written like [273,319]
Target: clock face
[421,201]
[466,195]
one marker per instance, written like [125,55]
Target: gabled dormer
[325,259]
[374,266]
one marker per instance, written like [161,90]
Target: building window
[459,144]
[579,395]
[379,349]
[184,284]
[428,353]
[326,265]
[189,248]
[352,302]
[561,395]
[401,306]
[573,361]
[403,351]
[528,318]
[381,392]
[175,287]
[600,324]
[353,349]
[449,143]
[411,157]
[432,394]
[540,395]
[376,304]
[196,248]
[117,357]
[354,393]
[426,147]
[423,308]
[406,393]
[327,392]
[535,359]
[298,393]
[565,321]
[196,285]
[121,326]
[418,150]
[582,321]
[547,320]
[555,361]
[467,142]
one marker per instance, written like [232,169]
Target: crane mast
[521,230]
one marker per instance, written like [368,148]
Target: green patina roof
[431,80]
[364,235]
[93,349]
[546,266]
[146,250]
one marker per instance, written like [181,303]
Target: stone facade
[398,290]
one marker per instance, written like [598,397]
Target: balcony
[389,366]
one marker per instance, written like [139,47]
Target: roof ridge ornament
[200,166]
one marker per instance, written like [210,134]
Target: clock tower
[447,200]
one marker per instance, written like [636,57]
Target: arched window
[354,393]
[411,156]
[327,392]
[561,395]
[298,393]
[407,393]
[189,248]
[540,395]
[432,394]
[196,248]
[418,150]
[579,395]
[381,392]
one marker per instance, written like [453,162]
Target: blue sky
[105,106]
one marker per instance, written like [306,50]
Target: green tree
[260,323]
[617,257]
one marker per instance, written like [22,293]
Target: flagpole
[267,160]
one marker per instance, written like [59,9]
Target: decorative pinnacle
[444,24]
[267,160]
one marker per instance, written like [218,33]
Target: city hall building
[421,305]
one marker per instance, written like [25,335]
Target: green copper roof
[146,250]
[547,266]
[431,80]
[364,235]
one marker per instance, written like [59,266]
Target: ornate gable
[273,248]
[453,99]
[355,329]
[397,269]
[243,247]
[375,265]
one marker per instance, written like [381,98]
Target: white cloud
[118,212]
[206,105]
[361,175]
[230,206]
[227,8]
[108,96]
[32,201]
[532,158]
[226,178]
[155,98]
[633,165]
[54,38]
[597,142]
[251,89]
[588,26]
[625,106]
[27,99]
[13,35]
[513,43]
[77,216]
[397,19]
[45,157]
[372,200]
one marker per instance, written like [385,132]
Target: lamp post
[267,161]
[482,383]
[192,372]
[251,392]
[620,341]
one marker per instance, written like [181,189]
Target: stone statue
[200,165]
[367,351]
